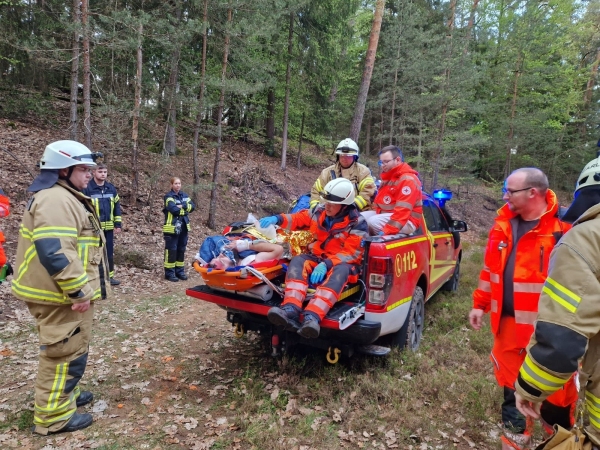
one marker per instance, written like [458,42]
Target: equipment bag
[302,202]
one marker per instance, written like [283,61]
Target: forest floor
[166,370]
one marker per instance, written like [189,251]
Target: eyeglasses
[383,163]
[511,192]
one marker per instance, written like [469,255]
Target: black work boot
[170,276]
[310,328]
[77,422]
[284,316]
[114,282]
[181,276]
[84,398]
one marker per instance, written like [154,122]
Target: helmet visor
[328,197]
[89,158]
[345,150]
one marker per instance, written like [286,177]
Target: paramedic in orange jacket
[515,268]
[398,206]
[335,255]
[4,211]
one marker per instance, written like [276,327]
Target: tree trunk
[420,141]
[394,95]
[361,101]
[169,143]
[300,139]
[270,125]
[587,97]
[446,101]
[367,151]
[470,26]
[87,110]
[76,14]
[215,181]
[513,111]
[136,114]
[286,104]
[200,102]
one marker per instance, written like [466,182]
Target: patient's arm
[266,250]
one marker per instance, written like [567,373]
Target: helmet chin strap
[68,178]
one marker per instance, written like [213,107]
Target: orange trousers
[507,358]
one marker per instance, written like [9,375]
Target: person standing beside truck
[398,206]
[348,167]
[108,207]
[334,256]
[516,258]
[567,330]
[58,276]
[177,207]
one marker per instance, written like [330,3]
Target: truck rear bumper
[253,313]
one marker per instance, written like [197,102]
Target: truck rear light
[380,265]
[376,280]
[377,297]
[380,281]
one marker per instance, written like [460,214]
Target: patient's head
[221,262]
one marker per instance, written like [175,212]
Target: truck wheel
[409,335]
[452,284]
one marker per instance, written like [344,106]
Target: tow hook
[335,357]
[239,331]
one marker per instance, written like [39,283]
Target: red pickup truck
[384,309]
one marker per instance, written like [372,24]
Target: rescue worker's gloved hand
[265,222]
[318,273]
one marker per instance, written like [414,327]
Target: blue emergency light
[442,196]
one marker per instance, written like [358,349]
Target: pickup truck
[384,309]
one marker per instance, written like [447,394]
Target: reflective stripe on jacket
[340,242]
[400,194]
[58,249]
[358,174]
[531,267]
[106,203]
[172,211]
[567,330]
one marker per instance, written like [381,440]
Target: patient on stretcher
[224,252]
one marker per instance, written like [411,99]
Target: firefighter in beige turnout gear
[567,330]
[60,271]
[347,166]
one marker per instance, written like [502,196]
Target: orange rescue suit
[531,268]
[4,211]
[400,194]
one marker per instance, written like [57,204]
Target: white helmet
[347,147]
[340,191]
[590,175]
[63,154]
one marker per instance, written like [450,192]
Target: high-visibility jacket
[358,174]
[567,330]
[531,267]
[59,248]
[4,211]
[336,242]
[400,194]
[106,203]
[172,212]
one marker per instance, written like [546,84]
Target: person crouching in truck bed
[335,255]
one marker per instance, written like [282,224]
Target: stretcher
[243,278]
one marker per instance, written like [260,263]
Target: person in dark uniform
[108,207]
[177,206]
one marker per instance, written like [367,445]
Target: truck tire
[409,335]
[452,284]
